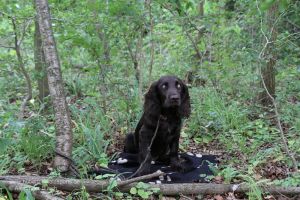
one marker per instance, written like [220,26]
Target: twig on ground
[141,178]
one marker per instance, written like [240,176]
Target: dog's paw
[179,165]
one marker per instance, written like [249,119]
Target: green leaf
[133,190]
[140,185]
[99,177]
[143,194]
[183,134]
[45,183]
[113,184]
[119,194]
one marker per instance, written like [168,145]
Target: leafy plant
[26,194]
[143,190]
[293,180]
[3,189]
[229,173]
[255,192]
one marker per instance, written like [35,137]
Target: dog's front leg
[175,162]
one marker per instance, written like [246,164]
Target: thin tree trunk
[268,72]
[22,69]
[104,63]
[138,66]
[149,6]
[62,114]
[40,64]
[200,15]
[201,8]
[135,57]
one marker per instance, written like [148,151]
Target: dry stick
[278,120]
[140,178]
[36,192]
[149,151]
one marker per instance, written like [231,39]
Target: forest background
[239,58]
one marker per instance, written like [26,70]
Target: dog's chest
[169,125]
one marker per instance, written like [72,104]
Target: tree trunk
[40,64]
[62,115]
[268,72]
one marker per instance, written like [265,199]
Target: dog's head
[168,92]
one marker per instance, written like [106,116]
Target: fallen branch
[66,184]
[212,188]
[15,186]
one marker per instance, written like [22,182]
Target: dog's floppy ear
[152,105]
[185,107]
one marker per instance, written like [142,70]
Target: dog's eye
[164,86]
[178,86]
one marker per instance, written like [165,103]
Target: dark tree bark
[62,114]
[268,71]
[40,64]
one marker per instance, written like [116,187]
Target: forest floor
[271,170]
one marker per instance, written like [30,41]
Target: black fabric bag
[126,164]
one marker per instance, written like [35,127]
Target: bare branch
[7,47]
[22,68]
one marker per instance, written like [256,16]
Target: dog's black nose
[174,97]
